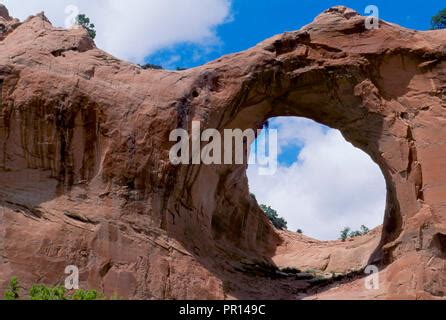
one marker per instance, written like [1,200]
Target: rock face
[85,177]
[4,13]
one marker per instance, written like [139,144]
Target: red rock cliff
[85,177]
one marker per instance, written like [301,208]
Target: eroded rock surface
[85,177]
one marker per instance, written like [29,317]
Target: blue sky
[254,21]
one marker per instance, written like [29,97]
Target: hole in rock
[322,183]
[439,243]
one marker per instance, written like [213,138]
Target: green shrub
[439,20]
[344,233]
[278,222]
[85,295]
[151,66]
[84,22]
[355,234]
[347,233]
[12,293]
[42,292]
[364,230]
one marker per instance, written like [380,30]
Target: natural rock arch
[139,226]
[320,183]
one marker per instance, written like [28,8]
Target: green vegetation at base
[87,295]
[12,293]
[42,292]
[45,293]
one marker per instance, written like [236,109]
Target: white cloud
[331,185]
[134,29]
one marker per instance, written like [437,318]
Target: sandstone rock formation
[85,177]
